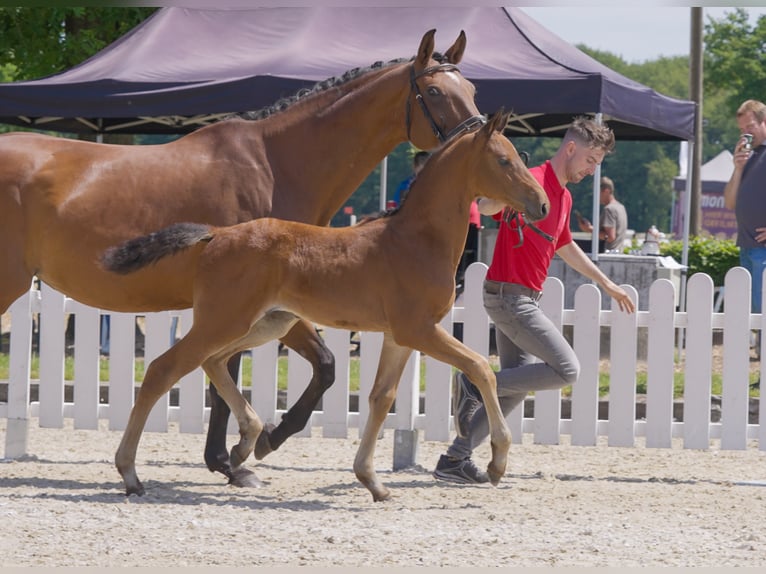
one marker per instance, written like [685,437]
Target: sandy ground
[557,506]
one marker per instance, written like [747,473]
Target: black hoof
[263,444]
[244,478]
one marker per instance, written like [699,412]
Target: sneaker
[460,471]
[466,400]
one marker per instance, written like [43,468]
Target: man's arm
[731,189]
[608,233]
[580,262]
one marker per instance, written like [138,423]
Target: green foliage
[706,255]
[41,41]
[735,57]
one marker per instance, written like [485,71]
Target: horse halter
[510,215]
[469,124]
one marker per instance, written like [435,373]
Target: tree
[41,41]
[735,57]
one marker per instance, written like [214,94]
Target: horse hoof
[138,490]
[381,496]
[244,478]
[494,475]
[263,444]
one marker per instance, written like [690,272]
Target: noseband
[511,215]
[466,125]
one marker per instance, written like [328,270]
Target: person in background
[613,224]
[534,355]
[418,160]
[471,249]
[745,193]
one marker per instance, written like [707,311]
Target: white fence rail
[659,326]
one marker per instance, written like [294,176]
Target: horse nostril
[544,210]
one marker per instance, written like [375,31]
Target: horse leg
[304,339]
[393,359]
[159,378]
[439,344]
[250,425]
[216,454]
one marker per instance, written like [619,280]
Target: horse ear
[498,121]
[455,52]
[426,49]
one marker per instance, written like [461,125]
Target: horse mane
[286,102]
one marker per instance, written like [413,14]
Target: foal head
[441,101]
[500,173]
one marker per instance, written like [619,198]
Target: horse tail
[137,253]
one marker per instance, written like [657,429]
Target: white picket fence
[662,321]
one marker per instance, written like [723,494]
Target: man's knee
[570,373]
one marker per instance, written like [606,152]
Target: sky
[653,31]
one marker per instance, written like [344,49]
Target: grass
[716,387]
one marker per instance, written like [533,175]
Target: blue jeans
[534,356]
[754,260]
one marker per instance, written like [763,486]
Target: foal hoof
[244,478]
[494,475]
[263,444]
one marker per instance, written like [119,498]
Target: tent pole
[596,204]
[685,251]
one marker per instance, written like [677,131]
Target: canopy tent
[714,175]
[183,68]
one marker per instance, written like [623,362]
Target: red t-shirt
[528,264]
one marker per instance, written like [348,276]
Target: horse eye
[503,160]
[433,91]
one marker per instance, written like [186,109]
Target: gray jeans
[534,356]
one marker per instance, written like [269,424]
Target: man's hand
[621,296]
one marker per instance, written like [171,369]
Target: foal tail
[137,253]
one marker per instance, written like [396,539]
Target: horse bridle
[469,124]
[510,215]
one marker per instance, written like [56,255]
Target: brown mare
[62,202]
[394,274]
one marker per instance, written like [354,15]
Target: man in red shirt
[533,353]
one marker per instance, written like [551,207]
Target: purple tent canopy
[182,68]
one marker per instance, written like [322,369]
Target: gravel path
[557,506]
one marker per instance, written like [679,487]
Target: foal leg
[274,325]
[216,455]
[393,359]
[250,425]
[161,374]
[304,339]
[440,345]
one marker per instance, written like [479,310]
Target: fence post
[52,338]
[623,340]
[547,422]
[191,387]
[122,368]
[698,368]
[335,403]
[659,378]
[17,430]
[587,331]
[85,386]
[736,359]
